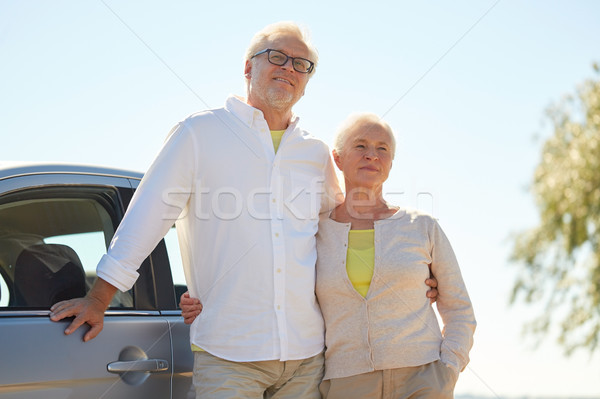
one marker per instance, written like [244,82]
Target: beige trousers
[216,378]
[429,381]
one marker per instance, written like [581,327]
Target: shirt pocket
[302,196]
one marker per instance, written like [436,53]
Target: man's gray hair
[260,39]
[351,121]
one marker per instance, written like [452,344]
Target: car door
[54,227]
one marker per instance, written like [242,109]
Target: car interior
[50,243]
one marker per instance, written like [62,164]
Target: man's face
[273,86]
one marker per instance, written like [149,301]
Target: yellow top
[276,135]
[360,259]
[196,348]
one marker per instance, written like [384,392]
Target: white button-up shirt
[246,222]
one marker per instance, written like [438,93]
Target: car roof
[13,169]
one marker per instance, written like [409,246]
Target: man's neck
[277,119]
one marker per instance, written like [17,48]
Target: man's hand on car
[89,309]
[432,283]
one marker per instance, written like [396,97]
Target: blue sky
[464,84]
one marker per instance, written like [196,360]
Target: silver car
[56,221]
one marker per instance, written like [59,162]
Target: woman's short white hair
[364,118]
[262,37]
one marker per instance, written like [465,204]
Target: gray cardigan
[394,326]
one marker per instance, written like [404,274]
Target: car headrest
[46,274]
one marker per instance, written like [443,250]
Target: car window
[50,243]
[174,253]
[90,247]
[3,290]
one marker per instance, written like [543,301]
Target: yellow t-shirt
[276,135]
[360,259]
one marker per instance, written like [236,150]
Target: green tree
[559,260]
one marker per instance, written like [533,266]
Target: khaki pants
[429,381]
[216,378]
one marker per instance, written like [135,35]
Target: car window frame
[154,290]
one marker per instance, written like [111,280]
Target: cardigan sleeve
[453,302]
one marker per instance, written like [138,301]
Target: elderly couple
[268,305]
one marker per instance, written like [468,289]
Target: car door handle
[142,365]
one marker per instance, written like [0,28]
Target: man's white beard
[276,98]
[279,99]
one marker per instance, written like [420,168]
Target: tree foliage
[559,260]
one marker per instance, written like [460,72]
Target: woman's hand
[190,307]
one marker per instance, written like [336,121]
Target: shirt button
[278,307]
[276,234]
[274,200]
[278,270]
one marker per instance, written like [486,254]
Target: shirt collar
[249,115]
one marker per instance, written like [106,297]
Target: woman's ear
[336,159]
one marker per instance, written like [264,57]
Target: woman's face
[366,156]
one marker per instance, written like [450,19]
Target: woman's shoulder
[408,215]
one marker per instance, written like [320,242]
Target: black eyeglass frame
[287,57]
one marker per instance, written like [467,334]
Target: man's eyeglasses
[276,57]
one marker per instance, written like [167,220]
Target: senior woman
[382,335]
